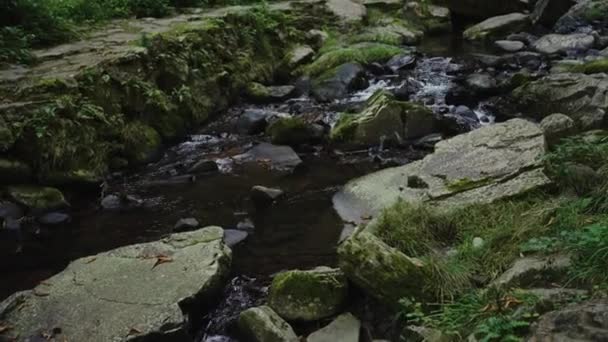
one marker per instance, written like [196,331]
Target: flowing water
[299,231]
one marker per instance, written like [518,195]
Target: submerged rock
[36,197]
[585,321]
[384,118]
[308,295]
[262,324]
[345,328]
[482,166]
[497,27]
[138,292]
[562,43]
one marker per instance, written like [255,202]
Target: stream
[300,230]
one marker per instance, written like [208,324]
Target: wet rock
[120,202]
[266,94]
[486,59]
[185,224]
[532,272]
[556,127]
[509,45]
[400,62]
[384,118]
[337,83]
[262,324]
[299,55]
[579,96]
[291,131]
[308,295]
[253,121]
[585,321]
[466,112]
[382,271]
[524,37]
[233,237]
[14,172]
[345,328]
[111,202]
[488,164]
[346,10]
[460,95]
[203,166]
[37,197]
[562,43]
[482,84]
[142,291]
[10,210]
[279,157]
[262,195]
[497,27]
[485,9]
[548,12]
[55,218]
[584,13]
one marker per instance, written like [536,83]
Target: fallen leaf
[4,328]
[161,259]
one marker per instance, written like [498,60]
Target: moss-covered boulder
[262,324]
[308,295]
[497,27]
[142,142]
[384,118]
[390,31]
[14,171]
[382,271]
[338,82]
[291,131]
[262,94]
[37,197]
[363,53]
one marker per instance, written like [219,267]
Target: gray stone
[337,83]
[308,295]
[562,43]
[52,219]
[509,45]
[547,12]
[267,94]
[586,321]
[253,121]
[532,272]
[299,55]
[399,62]
[497,27]
[604,52]
[203,166]
[482,166]
[557,126]
[347,10]
[345,328]
[262,324]
[111,202]
[317,37]
[133,292]
[186,224]
[233,237]
[279,157]
[264,195]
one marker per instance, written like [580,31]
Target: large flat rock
[130,293]
[482,166]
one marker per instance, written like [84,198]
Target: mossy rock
[290,131]
[593,67]
[14,171]
[141,142]
[262,324]
[37,197]
[257,91]
[308,295]
[364,53]
[392,33]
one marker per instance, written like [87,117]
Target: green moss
[593,67]
[289,131]
[141,142]
[379,36]
[344,129]
[35,197]
[363,53]
[257,91]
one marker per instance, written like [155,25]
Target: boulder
[299,55]
[584,13]
[308,295]
[184,224]
[557,126]
[384,118]
[382,271]
[534,272]
[37,197]
[562,43]
[278,157]
[14,172]
[262,324]
[481,84]
[497,27]
[509,45]
[483,8]
[547,12]
[391,32]
[345,328]
[338,82]
[347,10]
[400,62]
[488,164]
[583,98]
[292,131]
[586,321]
[143,291]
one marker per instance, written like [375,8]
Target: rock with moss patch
[384,118]
[299,55]
[262,324]
[556,127]
[391,32]
[363,53]
[142,142]
[262,94]
[291,131]
[497,27]
[308,295]
[586,321]
[14,171]
[37,197]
